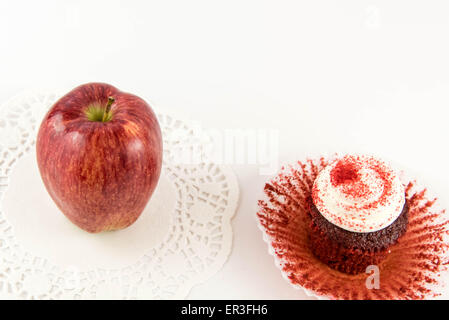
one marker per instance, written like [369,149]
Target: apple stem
[108,108]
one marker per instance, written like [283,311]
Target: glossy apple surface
[99,152]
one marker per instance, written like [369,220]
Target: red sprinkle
[344,172]
[345,175]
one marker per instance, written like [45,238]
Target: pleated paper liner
[414,268]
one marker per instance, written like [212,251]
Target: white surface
[327,74]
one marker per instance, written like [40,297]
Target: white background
[362,76]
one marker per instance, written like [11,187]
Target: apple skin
[100,174]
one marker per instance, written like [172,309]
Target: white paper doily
[182,238]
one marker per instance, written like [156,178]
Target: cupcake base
[352,252]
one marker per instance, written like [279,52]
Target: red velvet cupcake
[326,220]
[358,210]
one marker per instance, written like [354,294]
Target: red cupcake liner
[413,268]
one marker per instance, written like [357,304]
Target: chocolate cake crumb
[377,240]
[352,252]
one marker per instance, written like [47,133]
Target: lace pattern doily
[194,243]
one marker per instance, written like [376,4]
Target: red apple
[99,152]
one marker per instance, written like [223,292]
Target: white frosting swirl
[359,194]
